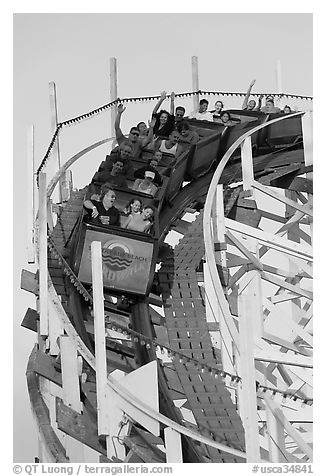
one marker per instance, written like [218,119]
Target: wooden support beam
[100,346]
[29,282]
[173,446]
[247,164]
[268,191]
[195,81]
[290,287]
[43,256]
[70,374]
[276,242]
[30,196]
[247,393]
[291,431]
[113,92]
[54,124]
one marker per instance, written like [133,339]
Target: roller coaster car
[281,134]
[128,257]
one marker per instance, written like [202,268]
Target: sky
[153,53]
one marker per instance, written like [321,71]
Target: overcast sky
[154,54]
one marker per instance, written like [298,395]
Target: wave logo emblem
[116,256]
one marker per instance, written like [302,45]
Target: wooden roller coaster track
[202,275]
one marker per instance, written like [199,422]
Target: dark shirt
[128,168]
[105,177]
[140,173]
[168,127]
[111,212]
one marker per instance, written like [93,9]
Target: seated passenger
[152,166]
[225,119]
[114,177]
[140,222]
[269,107]
[123,152]
[164,121]
[146,185]
[179,112]
[202,114]
[137,144]
[134,207]
[218,110]
[287,110]
[187,135]
[171,145]
[103,211]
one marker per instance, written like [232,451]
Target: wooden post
[43,256]
[99,331]
[195,81]
[276,438]
[247,165]
[30,196]
[247,394]
[279,102]
[54,123]
[113,92]
[173,446]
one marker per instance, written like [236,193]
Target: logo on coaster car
[116,256]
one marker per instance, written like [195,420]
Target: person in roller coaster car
[146,185]
[218,110]
[134,207]
[114,177]
[226,119]
[152,167]
[164,124]
[269,107]
[170,145]
[287,110]
[140,222]
[123,152]
[187,135]
[202,114]
[137,144]
[103,211]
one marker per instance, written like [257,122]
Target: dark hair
[286,105]
[270,100]
[181,108]
[228,114]
[142,122]
[203,101]
[183,126]
[162,111]
[220,103]
[128,206]
[134,128]
[152,208]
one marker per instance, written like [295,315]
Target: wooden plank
[30,320]
[79,426]
[43,365]
[70,374]
[29,282]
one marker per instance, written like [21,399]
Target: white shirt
[201,116]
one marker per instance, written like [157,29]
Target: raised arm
[118,131]
[162,98]
[245,101]
[150,136]
[172,104]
